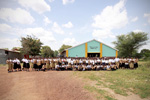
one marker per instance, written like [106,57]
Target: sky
[71,22]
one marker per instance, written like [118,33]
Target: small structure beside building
[5,54]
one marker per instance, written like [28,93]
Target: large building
[91,48]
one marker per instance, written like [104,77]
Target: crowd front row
[71,64]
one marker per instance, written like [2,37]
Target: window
[6,52]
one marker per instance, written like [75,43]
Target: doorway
[93,54]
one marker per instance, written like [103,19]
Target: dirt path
[50,85]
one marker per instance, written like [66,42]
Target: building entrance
[93,54]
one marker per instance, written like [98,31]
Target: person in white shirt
[57,67]
[71,62]
[75,64]
[126,64]
[108,67]
[113,61]
[86,62]
[27,64]
[18,64]
[89,65]
[103,62]
[116,59]
[106,61]
[24,63]
[15,64]
[68,66]
[117,62]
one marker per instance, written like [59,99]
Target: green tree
[145,53]
[30,45]
[128,44]
[63,47]
[136,54]
[46,51]
[16,49]
[55,53]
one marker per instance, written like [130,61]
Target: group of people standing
[43,64]
[15,64]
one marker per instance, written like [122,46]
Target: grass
[122,81]
[99,93]
[109,98]
[94,89]
[3,65]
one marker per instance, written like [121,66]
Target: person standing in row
[27,64]
[35,66]
[18,64]
[47,64]
[15,64]
[31,64]
[10,65]
[24,64]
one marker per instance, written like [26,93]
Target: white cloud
[46,20]
[9,43]
[70,41]
[45,35]
[70,33]
[16,16]
[148,16]
[137,30]
[112,17]
[145,24]
[103,33]
[7,31]
[134,19]
[4,28]
[57,29]
[67,1]
[51,0]
[39,6]
[68,25]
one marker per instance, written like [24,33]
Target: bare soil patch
[50,85]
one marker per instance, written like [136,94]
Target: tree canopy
[30,45]
[55,53]
[16,49]
[145,53]
[46,51]
[63,47]
[128,44]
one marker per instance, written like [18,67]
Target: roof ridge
[90,41]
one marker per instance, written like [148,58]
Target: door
[93,54]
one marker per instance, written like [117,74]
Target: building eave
[90,41]
[10,50]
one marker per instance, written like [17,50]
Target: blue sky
[71,22]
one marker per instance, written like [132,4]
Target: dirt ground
[50,85]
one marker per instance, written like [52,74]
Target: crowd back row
[43,64]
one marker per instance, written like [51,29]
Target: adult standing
[18,64]
[15,64]
[8,61]
[24,63]
[27,64]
